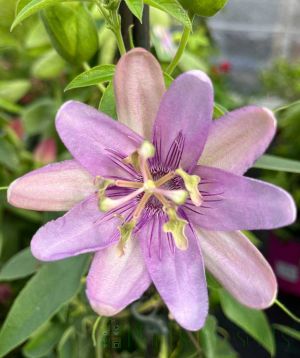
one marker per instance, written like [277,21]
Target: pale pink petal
[185,112]
[114,281]
[236,140]
[83,229]
[139,86]
[96,141]
[55,187]
[237,264]
[178,276]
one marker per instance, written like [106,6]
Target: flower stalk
[182,45]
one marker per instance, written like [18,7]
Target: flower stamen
[106,203]
[125,234]
[177,196]
[176,226]
[161,181]
[191,183]
[128,184]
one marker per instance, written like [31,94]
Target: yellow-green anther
[177,196]
[147,150]
[191,183]
[103,185]
[125,234]
[106,204]
[176,226]
[133,159]
[103,200]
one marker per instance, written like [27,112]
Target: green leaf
[54,285]
[136,7]
[21,265]
[10,107]
[253,322]
[203,7]
[93,76]
[108,102]
[26,9]
[208,337]
[39,116]
[72,31]
[43,342]
[212,344]
[49,66]
[273,162]
[14,90]
[8,155]
[173,8]
[288,331]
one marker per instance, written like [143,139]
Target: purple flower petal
[236,140]
[186,109]
[178,276]
[55,187]
[91,136]
[83,229]
[115,281]
[237,264]
[232,202]
[139,87]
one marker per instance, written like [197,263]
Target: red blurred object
[5,293]
[17,126]
[225,67]
[284,257]
[46,151]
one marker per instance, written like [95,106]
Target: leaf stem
[182,45]
[114,24]
[3,187]
[94,331]
[287,311]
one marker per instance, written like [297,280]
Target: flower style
[152,193]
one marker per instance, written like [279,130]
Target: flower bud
[203,7]
[72,31]
[45,152]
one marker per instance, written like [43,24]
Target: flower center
[158,190]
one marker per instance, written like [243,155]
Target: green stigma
[125,234]
[176,226]
[191,183]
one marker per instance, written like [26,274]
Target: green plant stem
[183,42]
[130,28]
[94,332]
[3,187]
[114,24]
[287,311]
[118,33]
[152,303]
[286,106]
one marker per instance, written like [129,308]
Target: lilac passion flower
[159,194]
